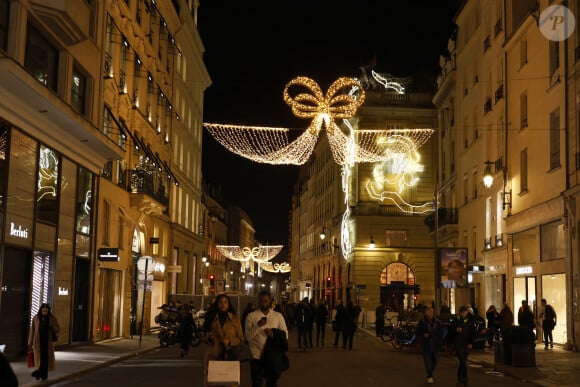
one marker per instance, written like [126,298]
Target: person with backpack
[548,317]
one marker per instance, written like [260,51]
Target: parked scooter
[168,334]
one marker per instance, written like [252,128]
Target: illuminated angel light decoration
[47,173]
[398,172]
[271,145]
[276,267]
[389,82]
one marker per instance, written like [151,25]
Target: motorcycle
[168,334]
[197,331]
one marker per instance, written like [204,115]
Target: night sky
[253,48]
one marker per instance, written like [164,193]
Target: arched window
[397,273]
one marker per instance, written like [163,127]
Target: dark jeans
[309,329]
[257,372]
[430,359]
[548,338]
[462,369]
[302,339]
[347,337]
[320,331]
[337,335]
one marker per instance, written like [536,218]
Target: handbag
[241,352]
[30,359]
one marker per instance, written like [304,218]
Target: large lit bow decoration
[272,146]
[324,108]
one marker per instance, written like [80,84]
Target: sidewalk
[554,367]
[75,360]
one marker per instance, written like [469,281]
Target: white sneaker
[430,380]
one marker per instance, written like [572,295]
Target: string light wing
[271,145]
[276,267]
[259,254]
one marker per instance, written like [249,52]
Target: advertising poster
[453,267]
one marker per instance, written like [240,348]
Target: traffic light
[211,280]
[328,282]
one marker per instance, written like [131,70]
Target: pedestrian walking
[429,332]
[506,318]
[222,331]
[464,328]
[186,330]
[249,308]
[338,321]
[380,319]
[525,316]
[549,320]
[321,316]
[493,324]
[349,324]
[7,376]
[310,323]
[267,335]
[43,333]
[303,319]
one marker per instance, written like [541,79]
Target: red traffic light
[211,277]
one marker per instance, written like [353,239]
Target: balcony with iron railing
[445,217]
[145,182]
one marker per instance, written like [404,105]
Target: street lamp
[488,180]
[372,243]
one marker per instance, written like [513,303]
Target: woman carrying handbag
[43,331]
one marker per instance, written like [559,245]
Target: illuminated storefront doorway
[554,291]
[398,288]
[525,289]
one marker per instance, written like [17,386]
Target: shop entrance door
[525,289]
[81,300]
[14,319]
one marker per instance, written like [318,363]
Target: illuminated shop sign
[109,254]
[521,270]
[18,232]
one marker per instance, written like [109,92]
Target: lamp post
[144,267]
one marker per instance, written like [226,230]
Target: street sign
[361,286]
[154,240]
[173,268]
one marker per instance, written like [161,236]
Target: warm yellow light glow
[276,267]
[258,254]
[271,145]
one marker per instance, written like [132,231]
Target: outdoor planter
[524,355]
[519,347]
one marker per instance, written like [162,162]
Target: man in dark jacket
[464,337]
[303,320]
[379,319]
[429,332]
[338,320]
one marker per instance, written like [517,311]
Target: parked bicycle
[403,336]
[387,331]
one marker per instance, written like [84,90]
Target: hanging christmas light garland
[271,145]
[276,267]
